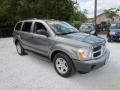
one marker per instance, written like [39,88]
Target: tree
[110,13]
[12,11]
[78,18]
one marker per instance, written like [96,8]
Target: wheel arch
[56,52]
[16,40]
[69,51]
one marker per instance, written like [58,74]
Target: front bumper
[86,66]
[115,37]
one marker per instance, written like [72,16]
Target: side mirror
[42,32]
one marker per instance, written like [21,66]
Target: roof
[35,19]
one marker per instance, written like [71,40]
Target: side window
[18,26]
[39,28]
[27,26]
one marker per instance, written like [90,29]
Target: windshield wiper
[68,33]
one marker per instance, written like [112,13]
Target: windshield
[115,26]
[61,27]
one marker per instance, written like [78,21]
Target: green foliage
[12,11]
[110,13]
[76,24]
[78,18]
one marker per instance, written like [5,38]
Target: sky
[102,4]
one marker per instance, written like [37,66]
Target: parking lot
[34,73]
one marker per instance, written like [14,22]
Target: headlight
[112,33]
[103,48]
[84,54]
[92,32]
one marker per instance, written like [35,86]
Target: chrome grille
[97,54]
[96,48]
[98,51]
[118,33]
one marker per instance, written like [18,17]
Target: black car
[114,32]
[88,28]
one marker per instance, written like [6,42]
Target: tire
[96,34]
[20,49]
[109,39]
[63,65]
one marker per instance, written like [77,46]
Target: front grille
[97,54]
[97,51]
[118,33]
[116,37]
[96,48]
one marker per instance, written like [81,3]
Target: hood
[115,30]
[86,38]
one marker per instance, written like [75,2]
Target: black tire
[22,51]
[69,63]
[95,34]
[109,39]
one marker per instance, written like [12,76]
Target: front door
[40,40]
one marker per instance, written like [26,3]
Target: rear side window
[18,26]
[27,26]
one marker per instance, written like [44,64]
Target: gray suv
[64,45]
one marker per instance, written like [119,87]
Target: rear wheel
[20,49]
[63,65]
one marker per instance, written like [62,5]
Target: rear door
[26,34]
[16,32]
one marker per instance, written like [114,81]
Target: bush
[6,31]
[76,24]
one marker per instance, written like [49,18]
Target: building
[102,18]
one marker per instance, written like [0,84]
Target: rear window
[87,26]
[27,26]
[18,26]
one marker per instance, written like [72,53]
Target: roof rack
[34,18]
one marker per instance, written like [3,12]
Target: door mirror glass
[42,32]
[39,28]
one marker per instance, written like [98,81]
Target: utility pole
[95,12]
[76,1]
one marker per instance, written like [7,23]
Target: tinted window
[38,26]
[87,27]
[115,26]
[27,26]
[18,26]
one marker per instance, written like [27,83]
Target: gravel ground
[31,72]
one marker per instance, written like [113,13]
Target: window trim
[40,23]
[30,27]
[20,26]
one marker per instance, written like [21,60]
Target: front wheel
[63,65]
